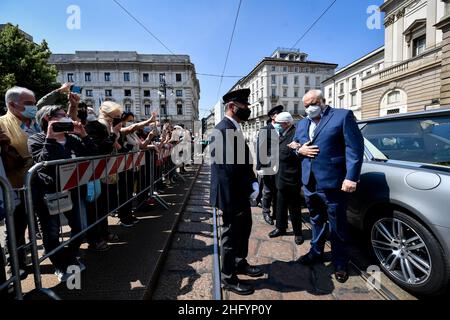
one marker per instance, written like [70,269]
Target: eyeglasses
[59,115]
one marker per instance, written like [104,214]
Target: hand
[4,139]
[74,99]
[255,192]
[294,145]
[349,186]
[79,130]
[154,116]
[307,150]
[65,88]
[50,133]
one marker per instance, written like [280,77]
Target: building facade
[411,77]
[343,90]
[142,83]
[282,79]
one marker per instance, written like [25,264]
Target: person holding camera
[61,138]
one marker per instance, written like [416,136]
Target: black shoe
[268,219]
[238,288]
[341,274]
[250,271]
[310,259]
[277,233]
[299,240]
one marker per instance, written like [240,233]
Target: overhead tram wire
[229,48]
[313,24]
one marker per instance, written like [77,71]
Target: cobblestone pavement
[187,273]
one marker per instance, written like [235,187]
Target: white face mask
[91,117]
[313,111]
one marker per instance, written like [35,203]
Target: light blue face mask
[29,112]
[278,127]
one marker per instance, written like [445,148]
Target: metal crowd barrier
[8,205]
[135,174]
[217,291]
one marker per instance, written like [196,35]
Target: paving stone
[195,227]
[291,274]
[176,286]
[192,241]
[278,250]
[189,260]
[305,295]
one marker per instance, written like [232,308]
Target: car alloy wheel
[401,251]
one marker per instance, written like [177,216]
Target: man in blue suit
[332,148]
[233,184]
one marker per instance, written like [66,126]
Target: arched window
[394,101]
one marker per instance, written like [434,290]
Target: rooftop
[116,56]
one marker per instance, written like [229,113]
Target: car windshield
[424,140]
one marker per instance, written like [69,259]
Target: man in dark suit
[264,165]
[233,184]
[287,180]
[332,148]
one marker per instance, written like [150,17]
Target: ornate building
[142,83]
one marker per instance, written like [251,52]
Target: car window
[419,140]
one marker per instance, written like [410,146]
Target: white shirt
[314,125]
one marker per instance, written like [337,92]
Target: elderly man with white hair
[287,180]
[18,124]
[332,149]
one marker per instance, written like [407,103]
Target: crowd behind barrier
[77,167]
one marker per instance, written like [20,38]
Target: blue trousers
[328,212]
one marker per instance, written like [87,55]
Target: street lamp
[163,92]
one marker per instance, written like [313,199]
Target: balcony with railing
[428,58]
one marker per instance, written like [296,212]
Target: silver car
[403,200]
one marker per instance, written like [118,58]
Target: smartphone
[116,121]
[75,89]
[63,127]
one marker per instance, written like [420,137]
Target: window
[274,79]
[285,92]
[127,93]
[394,97]
[178,77]
[295,93]
[285,69]
[353,99]
[146,93]
[126,76]
[87,76]
[274,92]
[330,93]
[179,93]
[128,107]
[70,77]
[88,93]
[274,68]
[419,45]
[353,83]
[295,80]
[257,84]
[393,111]
[341,88]
[307,90]
[296,108]
[162,77]
[163,109]
[368,73]
[296,69]
[341,102]
[147,109]
[307,80]
[108,93]
[179,109]
[285,80]
[107,76]
[145,77]
[318,81]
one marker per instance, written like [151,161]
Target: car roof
[437,112]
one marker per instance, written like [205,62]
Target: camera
[63,127]
[76,89]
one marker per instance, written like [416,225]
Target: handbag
[94,189]
[58,202]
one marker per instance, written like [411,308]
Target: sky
[202,29]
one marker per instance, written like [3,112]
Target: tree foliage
[24,63]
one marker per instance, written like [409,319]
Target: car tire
[438,272]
